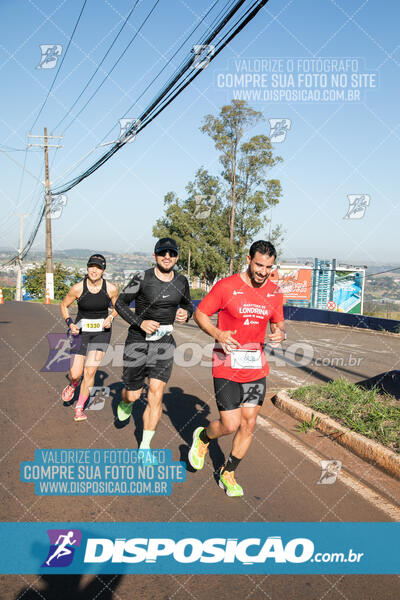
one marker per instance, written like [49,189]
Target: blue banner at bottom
[214,548]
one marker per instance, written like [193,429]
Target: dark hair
[262,247]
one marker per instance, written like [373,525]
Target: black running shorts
[234,394]
[147,359]
[85,341]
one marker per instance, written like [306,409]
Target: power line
[168,93]
[44,103]
[11,149]
[190,76]
[113,67]
[24,169]
[98,67]
[149,85]
[61,64]
[160,103]
[169,61]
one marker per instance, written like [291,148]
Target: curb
[370,451]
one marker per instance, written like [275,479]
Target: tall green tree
[35,281]
[199,225]
[245,164]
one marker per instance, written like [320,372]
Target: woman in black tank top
[93,306]
[90,334]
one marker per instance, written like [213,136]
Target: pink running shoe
[79,415]
[68,393]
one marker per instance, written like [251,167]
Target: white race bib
[92,325]
[161,331]
[246,359]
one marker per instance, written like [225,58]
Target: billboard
[294,281]
[348,291]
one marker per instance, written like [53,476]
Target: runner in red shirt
[246,302]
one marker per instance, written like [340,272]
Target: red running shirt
[246,310]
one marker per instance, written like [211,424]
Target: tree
[233,207]
[199,225]
[248,192]
[8,293]
[35,281]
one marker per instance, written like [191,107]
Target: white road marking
[287,377]
[371,496]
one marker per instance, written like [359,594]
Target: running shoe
[79,415]
[124,410]
[68,393]
[228,482]
[198,450]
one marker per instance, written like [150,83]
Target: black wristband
[68,321]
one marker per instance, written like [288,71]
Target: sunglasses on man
[172,253]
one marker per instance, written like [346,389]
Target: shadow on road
[187,412]
[68,587]
[385,383]
[314,370]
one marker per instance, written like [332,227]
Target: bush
[35,281]
[8,293]
[197,293]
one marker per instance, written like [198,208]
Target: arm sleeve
[213,301]
[126,297]
[186,301]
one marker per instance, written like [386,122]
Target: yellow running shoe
[228,482]
[198,450]
[124,410]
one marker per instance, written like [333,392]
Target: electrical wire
[149,85]
[166,65]
[98,66]
[146,117]
[61,64]
[45,101]
[168,93]
[113,67]
[11,149]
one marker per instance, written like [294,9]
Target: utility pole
[18,289]
[49,245]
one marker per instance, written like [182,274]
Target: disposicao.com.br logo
[246,551]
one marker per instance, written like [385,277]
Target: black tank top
[93,306]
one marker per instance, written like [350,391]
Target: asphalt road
[279,474]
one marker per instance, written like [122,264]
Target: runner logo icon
[61,552]
[50,55]
[358,204]
[59,352]
[279,129]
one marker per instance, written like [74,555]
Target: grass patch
[369,412]
[306,426]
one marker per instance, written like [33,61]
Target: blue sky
[332,149]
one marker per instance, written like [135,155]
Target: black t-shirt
[155,300]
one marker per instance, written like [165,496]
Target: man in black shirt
[149,347]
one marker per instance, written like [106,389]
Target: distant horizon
[338,173]
[355,262]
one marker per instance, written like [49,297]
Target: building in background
[324,285]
